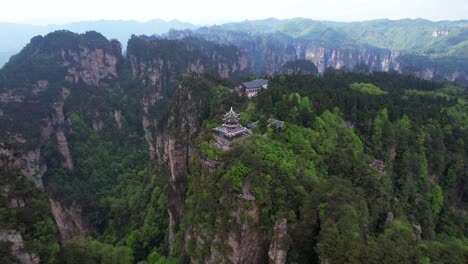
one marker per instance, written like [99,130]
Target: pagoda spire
[231,115]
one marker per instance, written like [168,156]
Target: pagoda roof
[231,115]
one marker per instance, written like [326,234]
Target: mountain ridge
[427,49]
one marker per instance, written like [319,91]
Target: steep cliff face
[174,141]
[72,98]
[87,59]
[91,66]
[17,247]
[69,220]
[34,89]
[278,251]
[157,64]
[242,243]
[268,53]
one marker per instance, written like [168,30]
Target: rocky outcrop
[94,66]
[174,149]
[29,163]
[17,248]
[62,142]
[69,220]
[267,54]
[241,245]
[97,123]
[19,202]
[389,219]
[118,118]
[14,200]
[246,246]
[279,243]
[174,141]
[62,147]
[40,86]
[339,58]
[418,230]
[148,126]
[176,154]
[10,97]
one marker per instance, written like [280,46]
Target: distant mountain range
[418,36]
[426,49]
[15,36]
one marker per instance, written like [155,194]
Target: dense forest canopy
[319,173]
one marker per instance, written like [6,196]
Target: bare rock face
[33,168]
[91,66]
[19,202]
[40,86]
[174,146]
[176,154]
[279,243]
[270,54]
[97,124]
[427,74]
[118,118]
[62,147]
[323,57]
[69,220]
[10,97]
[29,163]
[150,74]
[17,248]
[418,229]
[389,218]
[243,246]
[14,200]
[62,142]
[246,246]
[147,127]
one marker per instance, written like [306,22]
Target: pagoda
[230,132]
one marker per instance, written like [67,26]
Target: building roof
[231,115]
[255,83]
[275,122]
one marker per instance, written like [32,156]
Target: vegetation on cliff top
[315,172]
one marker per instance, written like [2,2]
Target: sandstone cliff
[243,243]
[175,141]
[34,92]
[17,247]
[157,64]
[69,220]
[279,244]
[268,53]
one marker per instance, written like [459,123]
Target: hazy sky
[218,11]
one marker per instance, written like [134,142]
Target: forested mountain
[110,158]
[413,35]
[16,36]
[429,50]
[426,49]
